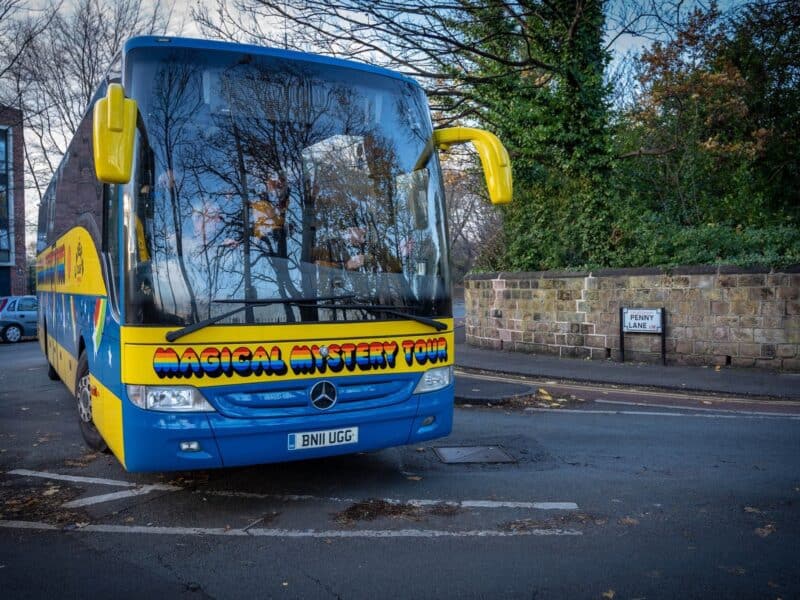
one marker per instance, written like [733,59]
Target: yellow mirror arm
[494,158]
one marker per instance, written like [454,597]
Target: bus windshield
[257,177]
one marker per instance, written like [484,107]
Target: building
[13,275]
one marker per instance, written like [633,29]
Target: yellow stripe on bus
[248,354]
[107,416]
[65,364]
[71,265]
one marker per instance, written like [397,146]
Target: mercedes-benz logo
[323,395]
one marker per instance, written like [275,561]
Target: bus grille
[291,398]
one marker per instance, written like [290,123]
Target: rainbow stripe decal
[300,359]
[99,321]
[53,269]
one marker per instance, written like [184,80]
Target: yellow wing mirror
[493,155]
[113,131]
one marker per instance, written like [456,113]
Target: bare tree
[430,40]
[57,71]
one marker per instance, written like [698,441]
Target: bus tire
[52,374]
[83,394]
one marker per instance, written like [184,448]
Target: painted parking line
[135,488]
[413,501]
[292,533]
[769,416]
[72,478]
[704,409]
[142,489]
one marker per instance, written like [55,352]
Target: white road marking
[413,502]
[146,489]
[141,489]
[662,414]
[698,408]
[136,489]
[291,533]
[79,479]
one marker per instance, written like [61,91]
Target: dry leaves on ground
[763,532]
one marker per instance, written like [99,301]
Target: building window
[5,216]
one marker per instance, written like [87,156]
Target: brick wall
[741,317]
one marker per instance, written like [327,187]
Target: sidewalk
[727,380]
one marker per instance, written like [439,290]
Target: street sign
[641,320]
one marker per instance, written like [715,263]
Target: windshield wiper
[318,302]
[389,310]
[179,333]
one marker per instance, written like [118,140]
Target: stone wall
[714,315]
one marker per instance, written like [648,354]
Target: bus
[243,258]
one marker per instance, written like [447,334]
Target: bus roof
[198,44]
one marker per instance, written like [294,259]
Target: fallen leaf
[414,478]
[717,368]
[609,595]
[129,519]
[766,530]
[51,491]
[734,570]
[543,394]
[751,509]
[420,449]
[629,521]
[82,524]
[706,402]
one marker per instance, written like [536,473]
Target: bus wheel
[83,389]
[52,373]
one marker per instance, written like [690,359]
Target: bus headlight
[434,379]
[172,398]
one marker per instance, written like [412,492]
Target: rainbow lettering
[363,356]
[303,359]
[213,362]
[432,350]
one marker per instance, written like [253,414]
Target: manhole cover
[473,454]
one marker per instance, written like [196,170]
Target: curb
[589,380]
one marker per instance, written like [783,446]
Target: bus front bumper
[159,441]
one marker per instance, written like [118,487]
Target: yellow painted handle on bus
[112,135]
[493,155]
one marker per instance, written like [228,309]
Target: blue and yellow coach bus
[243,258]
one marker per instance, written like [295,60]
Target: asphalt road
[602,501]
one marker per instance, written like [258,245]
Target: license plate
[323,439]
